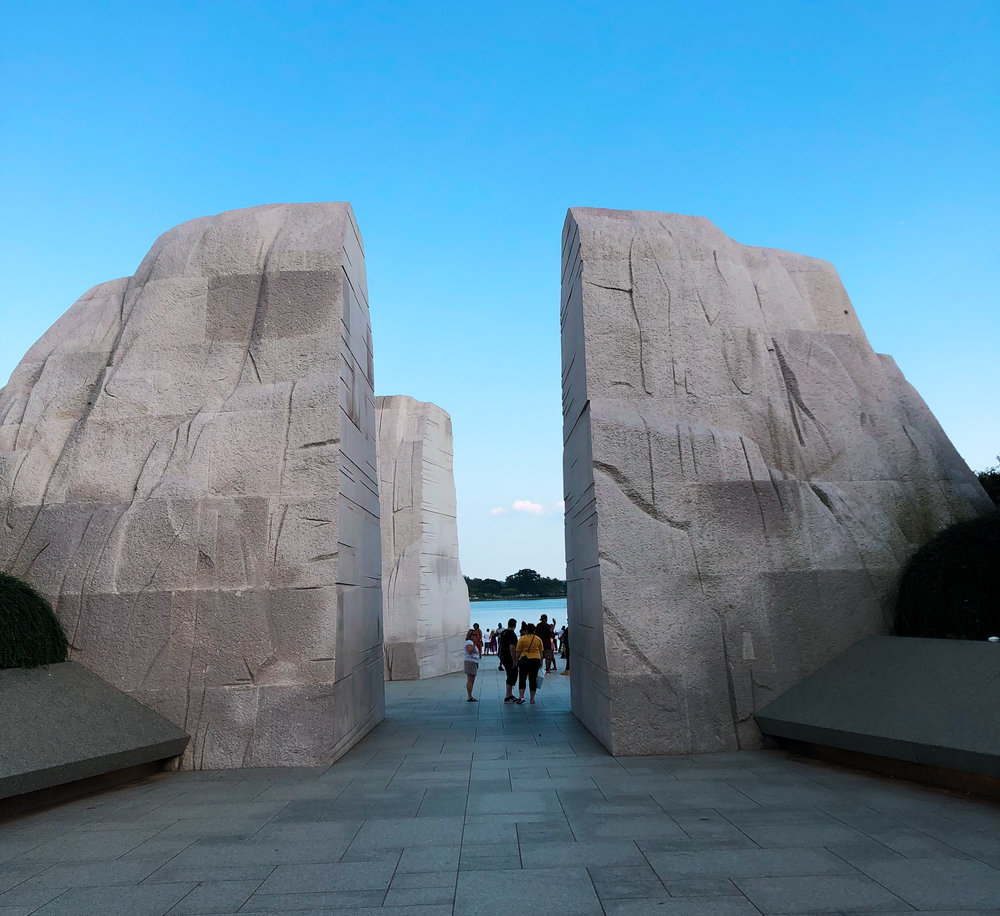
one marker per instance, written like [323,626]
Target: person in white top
[471,664]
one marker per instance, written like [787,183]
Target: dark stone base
[925,709]
[63,726]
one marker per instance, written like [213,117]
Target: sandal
[519,701]
[472,700]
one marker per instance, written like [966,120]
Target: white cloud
[499,510]
[561,505]
[526,505]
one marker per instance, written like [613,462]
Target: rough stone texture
[62,723]
[187,472]
[425,602]
[744,477]
[927,701]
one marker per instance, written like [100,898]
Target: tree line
[525,583]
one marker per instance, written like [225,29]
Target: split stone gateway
[190,472]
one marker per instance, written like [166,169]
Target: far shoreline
[519,598]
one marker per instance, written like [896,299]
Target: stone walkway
[451,807]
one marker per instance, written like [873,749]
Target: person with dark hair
[472,656]
[544,632]
[529,659]
[507,643]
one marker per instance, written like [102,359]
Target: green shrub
[30,634]
[950,589]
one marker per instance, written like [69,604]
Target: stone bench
[930,704]
[61,724]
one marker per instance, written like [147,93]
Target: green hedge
[950,589]
[30,634]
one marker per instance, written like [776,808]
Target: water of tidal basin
[489,613]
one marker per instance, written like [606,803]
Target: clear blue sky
[864,133]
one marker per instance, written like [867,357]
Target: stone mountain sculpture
[744,477]
[425,601]
[187,472]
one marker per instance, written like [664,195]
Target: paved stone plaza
[451,807]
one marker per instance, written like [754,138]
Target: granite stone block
[744,478]
[188,473]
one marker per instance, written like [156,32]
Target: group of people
[521,655]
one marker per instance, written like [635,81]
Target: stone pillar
[187,472]
[744,477]
[425,602]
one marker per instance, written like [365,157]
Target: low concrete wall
[61,723]
[933,702]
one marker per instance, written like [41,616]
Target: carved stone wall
[187,471]
[744,477]
[425,602]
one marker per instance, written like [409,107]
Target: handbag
[539,677]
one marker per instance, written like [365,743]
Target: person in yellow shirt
[528,652]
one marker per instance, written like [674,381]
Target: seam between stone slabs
[198,884]
[569,823]
[649,864]
[866,835]
[194,840]
[392,877]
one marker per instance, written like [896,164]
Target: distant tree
[524,582]
[483,588]
[990,479]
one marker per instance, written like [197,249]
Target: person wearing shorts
[472,656]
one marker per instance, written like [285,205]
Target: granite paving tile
[419,896]
[30,898]
[87,846]
[703,887]
[803,835]
[702,794]
[817,894]
[512,892]
[412,831]
[736,863]
[612,882]
[342,876]
[443,857]
[352,901]
[632,827]
[443,878]
[258,853]
[147,900]
[13,875]
[92,874]
[555,830]
[215,897]
[939,883]
[583,853]
[536,802]
[172,874]
[682,906]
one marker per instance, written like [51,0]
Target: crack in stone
[632,494]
